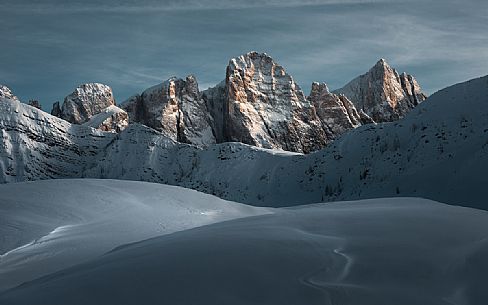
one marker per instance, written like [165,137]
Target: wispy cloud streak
[59,7]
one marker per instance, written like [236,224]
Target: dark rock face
[383,94]
[35,103]
[214,100]
[86,101]
[56,111]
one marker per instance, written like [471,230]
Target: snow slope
[36,145]
[402,251]
[46,226]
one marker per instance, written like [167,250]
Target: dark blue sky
[49,47]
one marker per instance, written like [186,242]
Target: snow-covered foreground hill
[46,226]
[383,251]
[438,151]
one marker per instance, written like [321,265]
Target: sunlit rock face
[264,107]
[111,119]
[86,101]
[6,93]
[258,103]
[176,108]
[336,112]
[384,94]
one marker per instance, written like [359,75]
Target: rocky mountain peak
[382,63]
[318,89]
[5,92]
[175,108]
[86,101]
[264,107]
[383,94]
[258,103]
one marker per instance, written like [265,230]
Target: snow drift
[46,226]
[383,251]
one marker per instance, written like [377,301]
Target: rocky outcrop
[215,98]
[86,101]
[35,103]
[175,108]
[336,112]
[56,111]
[383,94]
[111,119]
[6,93]
[264,107]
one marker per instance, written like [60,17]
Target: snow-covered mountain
[437,151]
[259,104]
[35,145]
[403,251]
[383,93]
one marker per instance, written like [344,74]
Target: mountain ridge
[441,143]
[258,103]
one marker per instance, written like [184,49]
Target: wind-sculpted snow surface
[46,226]
[376,252]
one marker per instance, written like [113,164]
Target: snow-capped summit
[86,101]
[6,93]
[383,94]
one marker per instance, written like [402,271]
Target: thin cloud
[53,7]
